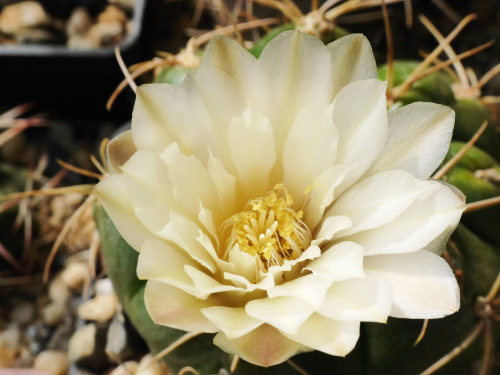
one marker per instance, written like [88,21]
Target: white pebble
[54,362]
[82,343]
[99,309]
[104,286]
[74,275]
[152,369]
[127,368]
[58,292]
[54,313]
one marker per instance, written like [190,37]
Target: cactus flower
[276,203]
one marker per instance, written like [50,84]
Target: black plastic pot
[71,83]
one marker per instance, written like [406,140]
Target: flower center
[269,229]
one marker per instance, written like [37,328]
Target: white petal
[419,136]
[191,181]
[175,308]
[183,233]
[423,283]
[378,200]
[264,346]
[352,60]
[119,150]
[309,288]
[205,284]
[225,184]
[365,300]
[310,149]
[329,227]
[339,262]
[360,116]
[229,56]
[153,120]
[323,192]
[115,198]
[284,313]
[233,321]
[151,191]
[327,335]
[266,283]
[293,71]
[251,141]
[433,213]
[159,261]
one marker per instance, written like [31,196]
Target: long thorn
[297,368]
[84,189]
[124,70]
[81,171]
[494,289]
[9,258]
[422,332]
[390,54]
[479,205]
[488,76]
[439,174]
[456,351]
[181,340]
[234,364]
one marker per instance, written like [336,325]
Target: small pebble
[79,22]
[74,275]
[106,33]
[104,286]
[23,15]
[54,362]
[112,14]
[126,368]
[22,312]
[58,292]
[99,309]
[152,369]
[9,345]
[54,313]
[82,343]
[127,5]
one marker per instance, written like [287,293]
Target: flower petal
[119,150]
[264,346]
[251,141]
[419,136]
[310,149]
[329,336]
[352,60]
[191,181]
[228,55]
[309,288]
[433,213]
[423,283]
[175,308]
[378,200]
[293,71]
[339,262]
[161,262]
[206,285]
[225,184]
[360,116]
[115,198]
[284,313]
[365,300]
[233,321]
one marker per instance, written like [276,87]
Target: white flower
[276,203]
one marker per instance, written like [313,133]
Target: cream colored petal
[284,313]
[364,300]
[151,191]
[424,284]
[329,227]
[175,308]
[161,262]
[378,200]
[323,191]
[310,149]
[183,233]
[339,262]
[352,60]
[265,283]
[312,252]
[264,346]
[360,116]
[191,181]
[115,198]
[119,150]
[205,284]
[293,71]
[154,126]
[212,99]
[309,288]
[327,335]
[246,264]
[233,321]
[434,212]
[225,184]
[419,136]
[228,55]
[251,141]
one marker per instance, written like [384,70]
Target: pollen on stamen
[268,229]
